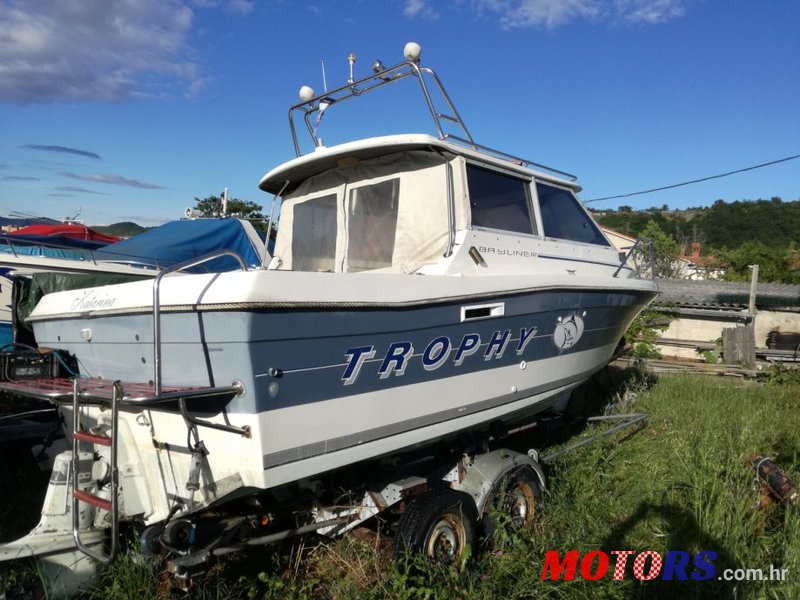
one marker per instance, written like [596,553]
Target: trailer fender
[481,475]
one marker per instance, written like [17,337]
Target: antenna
[351,58]
[224,202]
[75,218]
[324,79]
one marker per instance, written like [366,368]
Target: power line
[669,187]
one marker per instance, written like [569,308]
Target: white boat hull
[328,386]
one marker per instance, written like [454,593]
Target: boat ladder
[111,506]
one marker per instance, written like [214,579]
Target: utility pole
[753,283]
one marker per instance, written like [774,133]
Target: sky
[128,110]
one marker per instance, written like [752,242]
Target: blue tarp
[23,222]
[179,241]
[47,245]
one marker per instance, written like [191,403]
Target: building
[700,267]
[702,309]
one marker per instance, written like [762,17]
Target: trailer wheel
[439,524]
[518,495]
[179,534]
[521,497]
[150,539]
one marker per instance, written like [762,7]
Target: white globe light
[306,93]
[412,51]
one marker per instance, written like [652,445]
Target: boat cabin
[397,209]
[399,203]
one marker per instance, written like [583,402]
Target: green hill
[774,223]
[125,229]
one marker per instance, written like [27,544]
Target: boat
[421,286]
[43,258]
[60,232]
[29,241]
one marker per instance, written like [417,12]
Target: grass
[683,482]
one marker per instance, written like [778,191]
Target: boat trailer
[433,506]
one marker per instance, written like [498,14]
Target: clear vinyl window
[499,201]
[371,225]
[314,234]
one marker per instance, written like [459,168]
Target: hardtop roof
[325,158]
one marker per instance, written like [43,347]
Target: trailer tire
[150,539]
[439,524]
[517,499]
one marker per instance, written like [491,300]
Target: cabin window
[563,216]
[371,225]
[314,234]
[499,201]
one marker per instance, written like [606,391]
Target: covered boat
[44,258]
[421,286]
[40,243]
[72,231]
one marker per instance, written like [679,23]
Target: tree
[685,240]
[212,207]
[772,222]
[662,255]
[774,265]
[664,252]
[244,209]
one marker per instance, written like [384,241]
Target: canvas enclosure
[389,212]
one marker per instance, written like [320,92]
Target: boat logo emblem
[568,331]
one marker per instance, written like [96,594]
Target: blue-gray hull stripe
[291,455]
[512,341]
[293,358]
[304,373]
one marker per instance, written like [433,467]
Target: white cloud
[113,180]
[74,50]
[80,190]
[549,14]
[242,7]
[413,8]
[419,8]
[650,11]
